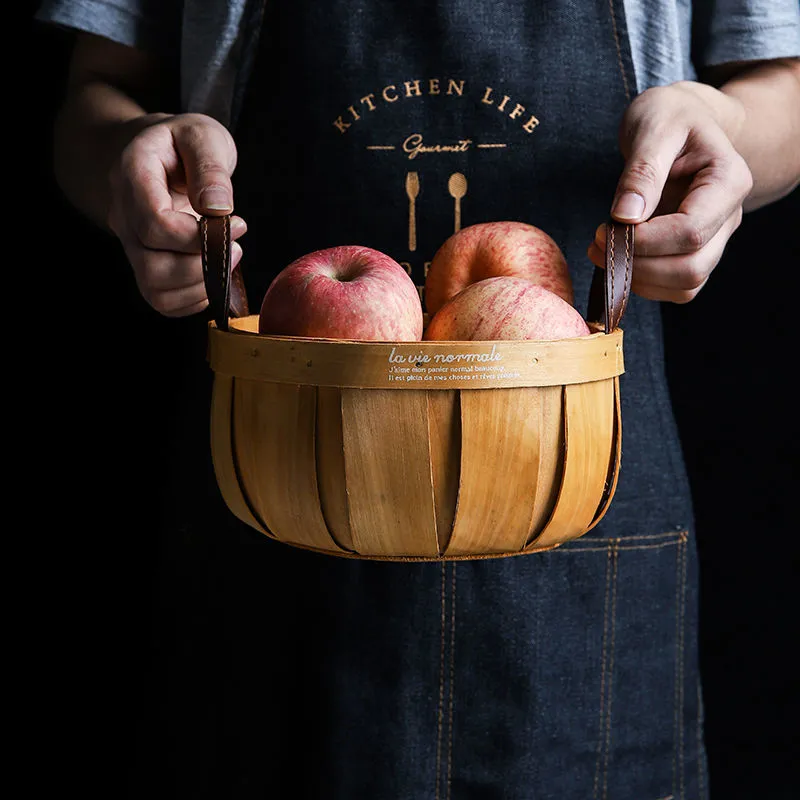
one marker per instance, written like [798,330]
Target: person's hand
[683,183]
[172,171]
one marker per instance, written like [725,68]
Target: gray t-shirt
[670,39]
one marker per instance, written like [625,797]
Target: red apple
[506,308]
[492,249]
[345,292]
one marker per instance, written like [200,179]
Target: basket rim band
[239,353]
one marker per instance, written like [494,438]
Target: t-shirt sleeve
[745,30]
[150,25]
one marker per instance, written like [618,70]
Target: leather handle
[611,287]
[224,285]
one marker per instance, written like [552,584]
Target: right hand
[175,169]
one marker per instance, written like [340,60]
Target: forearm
[758,107]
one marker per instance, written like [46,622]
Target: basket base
[412,559]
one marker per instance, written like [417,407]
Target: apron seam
[701,777]
[615,582]
[452,679]
[602,674]
[678,541]
[440,712]
[678,771]
[618,47]
[607,671]
[684,550]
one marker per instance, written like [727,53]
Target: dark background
[103,385]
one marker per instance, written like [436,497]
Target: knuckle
[684,296]
[746,177]
[210,171]
[160,304]
[159,300]
[692,237]
[693,274]
[149,229]
[641,172]
[202,135]
[739,216]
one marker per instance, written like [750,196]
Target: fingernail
[215,198]
[238,226]
[629,206]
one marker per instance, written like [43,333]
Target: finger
[652,150]
[663,294]
[714,198]
[684,273]
[165,271]
[180,302]
[177,232]
[644,286]
[677,278]
[208,154]
[148,210]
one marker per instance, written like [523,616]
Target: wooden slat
[616,459]
[499,470]
[444,426]
[222,452]
[551,457]
[331,478]
[275,428]
[388,468]
[589,432]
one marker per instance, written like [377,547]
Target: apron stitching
[603,674]
[701,778]
[676,723]
[440,712]
[452,679]
[615,562]
[620,549]
[619,50]
[681,648]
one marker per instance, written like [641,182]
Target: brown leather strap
[224,286]
[611,287]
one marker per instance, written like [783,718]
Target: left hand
[683,183]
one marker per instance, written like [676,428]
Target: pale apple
[344,292]
[506,308]
[494,249]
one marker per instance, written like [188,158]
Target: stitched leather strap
[611,287]
[224,286]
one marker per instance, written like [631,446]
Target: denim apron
[568,674]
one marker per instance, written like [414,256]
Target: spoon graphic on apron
[457,187]
[412,190]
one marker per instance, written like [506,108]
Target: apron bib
[566,674]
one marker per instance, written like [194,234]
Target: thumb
[208,153]
[649,158]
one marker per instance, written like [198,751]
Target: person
[570,673]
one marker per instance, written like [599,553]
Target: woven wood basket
[422,450]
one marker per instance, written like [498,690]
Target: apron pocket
[581,681]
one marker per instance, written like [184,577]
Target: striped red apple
[343,292]
[506,308]
[491,250]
